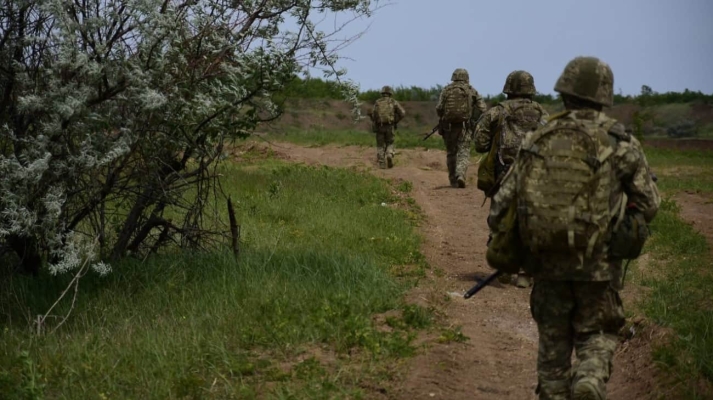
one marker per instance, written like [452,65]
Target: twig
[75,281]
[234,228]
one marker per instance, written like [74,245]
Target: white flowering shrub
[111,111]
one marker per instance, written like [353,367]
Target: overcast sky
[666,44]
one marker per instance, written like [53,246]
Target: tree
[114,114]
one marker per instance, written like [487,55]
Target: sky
[665,44]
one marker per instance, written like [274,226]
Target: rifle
[485,282]
[434,130]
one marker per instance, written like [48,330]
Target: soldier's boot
[554,390]
[380,160]
[523,281]
[460,181]
[390,161]
[505,279]
[587,389]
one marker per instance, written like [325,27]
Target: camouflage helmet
[387,90]
[519,83]
[460,74]
[587,78]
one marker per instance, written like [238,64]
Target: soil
[499,359]
[697,209]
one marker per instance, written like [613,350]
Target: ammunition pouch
[628,236]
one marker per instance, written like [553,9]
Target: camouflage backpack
[518,118]
[384,111]
[564,187]
[457,103]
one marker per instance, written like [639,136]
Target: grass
[679,170]
[680,296]
[293,318]
[678,275]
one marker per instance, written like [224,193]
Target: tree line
[316,88]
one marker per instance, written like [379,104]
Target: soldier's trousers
[580,316]
[384,143]
[457,140]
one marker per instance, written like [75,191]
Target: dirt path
[499,360]
[697,210]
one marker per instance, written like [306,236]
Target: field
[349,285]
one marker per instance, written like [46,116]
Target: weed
[452,335]
[416,316]
[405,187]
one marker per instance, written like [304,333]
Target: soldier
[506,125]
[571,178]
[385,115]
[459,105]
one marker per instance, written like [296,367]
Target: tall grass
[292,318]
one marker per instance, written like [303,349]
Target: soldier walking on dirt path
[583,196]
[459,106]
[502,128]
[385,116]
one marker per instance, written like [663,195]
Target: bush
[111,126]
[682,129]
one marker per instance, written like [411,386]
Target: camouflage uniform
[520,87]
[574,301]
[456,136]
[385,132]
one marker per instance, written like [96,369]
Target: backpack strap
[504,113]
[559,115]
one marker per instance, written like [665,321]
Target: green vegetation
[405,93]
[648,97]
[680,297]
[292,318]
[682,170]
[312,88]
[317,88]
[677,271]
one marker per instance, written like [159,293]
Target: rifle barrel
[485,282]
